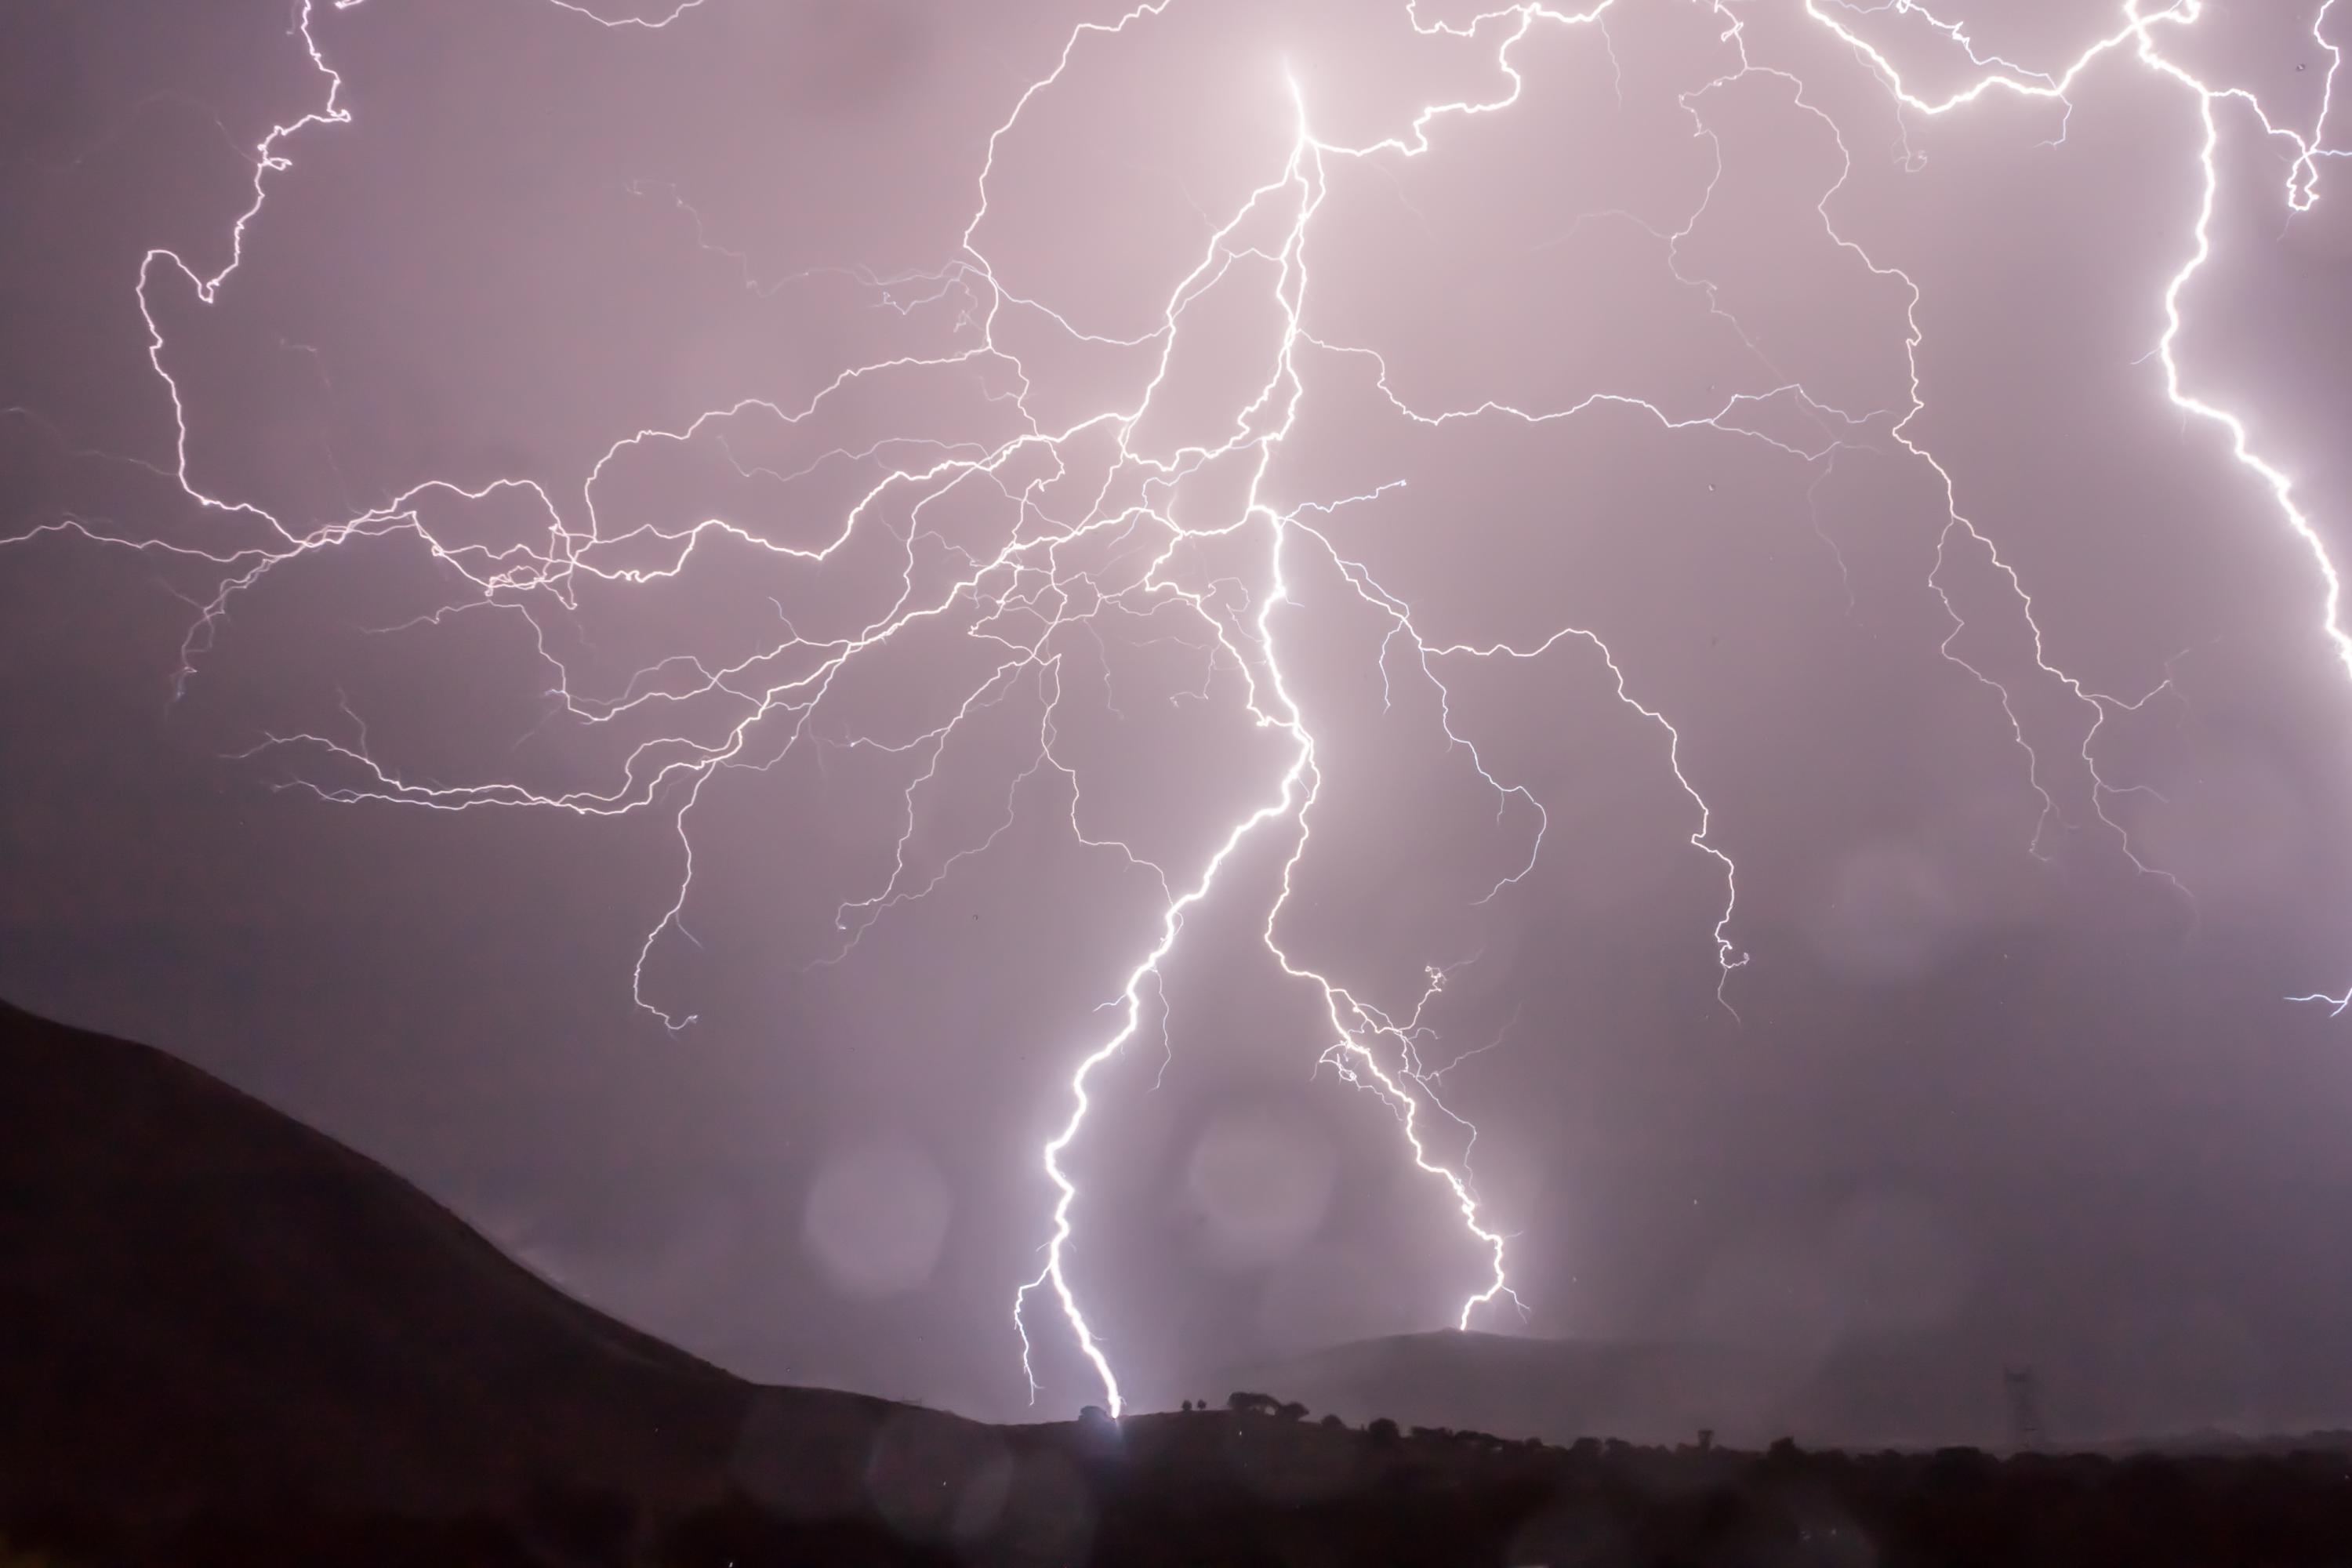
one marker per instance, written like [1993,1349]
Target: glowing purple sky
[1249,542]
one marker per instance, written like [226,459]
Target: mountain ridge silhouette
[206,1300]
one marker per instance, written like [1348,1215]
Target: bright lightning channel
[1370,1045]
[2138,33]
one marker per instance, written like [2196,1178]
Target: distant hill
[1867,1392]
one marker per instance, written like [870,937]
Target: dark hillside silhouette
[204,1300]
[226,1341]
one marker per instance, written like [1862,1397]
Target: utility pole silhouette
[2024,1409]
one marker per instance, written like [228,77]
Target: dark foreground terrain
[226,1341]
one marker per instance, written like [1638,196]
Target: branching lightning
[1061,574]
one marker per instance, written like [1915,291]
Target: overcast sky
[2009,1056]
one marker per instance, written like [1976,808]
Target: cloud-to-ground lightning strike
[1029,595]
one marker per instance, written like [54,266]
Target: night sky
[1033,491]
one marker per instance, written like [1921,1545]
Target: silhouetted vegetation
[12,1558]
[1245,1486]
[736,1532]
[594,1527]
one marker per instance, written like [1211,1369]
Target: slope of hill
[202,1299]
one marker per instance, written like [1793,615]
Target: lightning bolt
[1082,550]
[2138,33]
